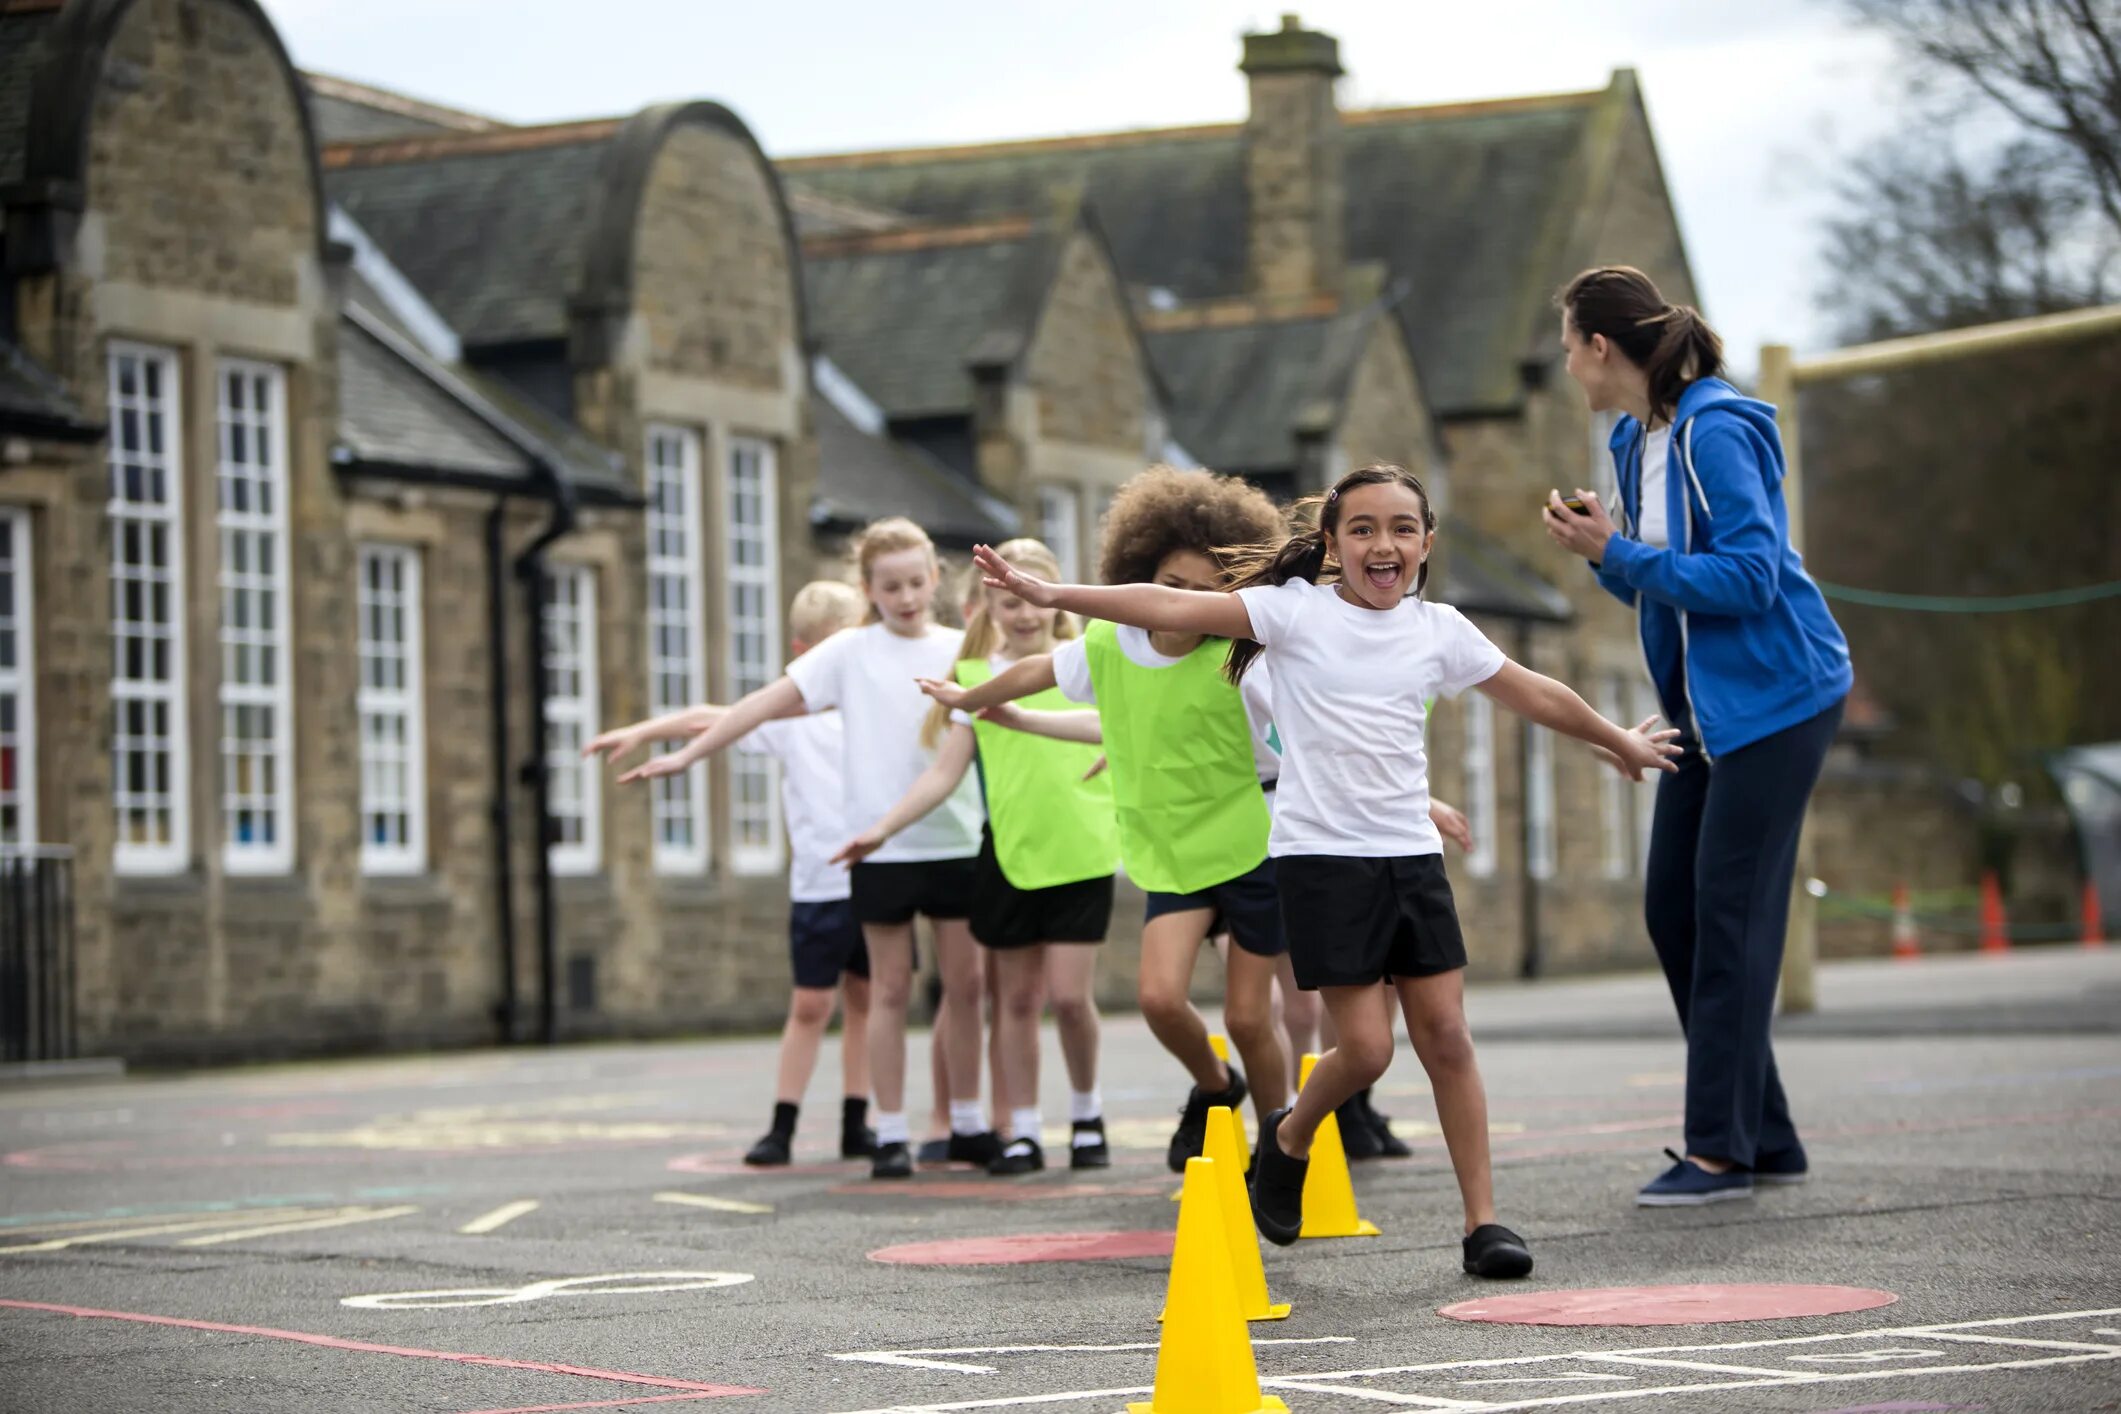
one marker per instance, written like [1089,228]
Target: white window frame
[18,679]
[171,854]
[754,771]
[1539,842]
[1480,783]
[570,602]
[1646,705]
[404,605]
[1613,797]
[676,529]
[266,424]
[1060,520]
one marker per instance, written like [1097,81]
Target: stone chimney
[1293,177]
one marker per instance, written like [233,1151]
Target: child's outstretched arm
[930,789]
[1155,607]
[621,742]
[1083,726]
[779,698]
[1553,704]
[1020,679]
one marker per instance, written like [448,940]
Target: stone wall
[1084,364]
[1384,418]
[1294,184]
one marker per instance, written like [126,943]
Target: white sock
[1025,1123]
[891,1127]
[965,1117]
[1085,1105]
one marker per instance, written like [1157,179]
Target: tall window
[754,584]
[18,686]
[1539,801]
[1613,797]
[257,705]
[677,648]
[393,735]
[149,760]
[1646,705]
[1480,783]
[575,796]
[1060,512]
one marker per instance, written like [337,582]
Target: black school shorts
[1005,916]
[824,941]
[1247,906]
[894,892]
[1352,922]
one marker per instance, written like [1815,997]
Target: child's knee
[1162,1000]
[1022,1000]
[1368,1056]
[1074,1009]
[1444,1043]
[811,1007]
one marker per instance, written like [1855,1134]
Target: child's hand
[1004,714]
[1452,824]
[859,848]
[656,767]
[1649,750]
[617,743]
[948,693]
[998,573]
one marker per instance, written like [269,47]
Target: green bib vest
[1191,812]
[1050,825]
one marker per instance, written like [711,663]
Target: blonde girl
[868,673]
[1043,896]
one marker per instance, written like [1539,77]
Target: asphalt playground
[535,1230]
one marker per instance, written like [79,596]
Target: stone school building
[360,456]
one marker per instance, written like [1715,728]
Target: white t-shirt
[812,753]
[1350,688]
[1071,673]
[868,674]
[1653,526]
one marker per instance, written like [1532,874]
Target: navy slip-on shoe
[1688,1185]
[1781,1170]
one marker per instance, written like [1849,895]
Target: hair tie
[1334,494]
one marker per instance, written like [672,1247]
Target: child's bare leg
[998,1072]
[1020,976]
[809,1012]
[959,958]
[939,1069]
[1248,1013]
[854,1036]
[890,985]
[1363,1024]
[1300,1013]
[1071,977]
[1170,942]
[1436,1022]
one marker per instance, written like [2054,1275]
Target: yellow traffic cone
[1225,1135]
[1221,1043]
[1329,1194]
[1204,1361]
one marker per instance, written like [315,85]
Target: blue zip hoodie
[1732,627]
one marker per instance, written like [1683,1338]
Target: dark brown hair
[1672,343]
[1303,554]
[1164,509]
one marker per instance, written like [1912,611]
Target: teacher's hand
[1585,535]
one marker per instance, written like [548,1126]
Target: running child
[1358,860]
[1044,893]
[868,673]
[824,940]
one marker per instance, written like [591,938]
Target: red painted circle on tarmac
[1667,1305]
[1027,1247]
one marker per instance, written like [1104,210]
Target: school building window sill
[423,890]
[582,888]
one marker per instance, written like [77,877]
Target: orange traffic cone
[1994,926]
[2094,920]
[1906,946]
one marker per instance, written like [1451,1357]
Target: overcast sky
[1750,98]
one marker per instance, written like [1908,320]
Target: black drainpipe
[502,809]
[1530,965]
[530,568]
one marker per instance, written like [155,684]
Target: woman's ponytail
[1672,344]
[1687,349]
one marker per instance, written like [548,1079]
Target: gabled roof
[1463,200]
[863,476]
[345,111]
[908,313]
[1481,577]
[34,403]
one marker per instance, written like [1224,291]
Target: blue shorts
[1248,907]
[824,941]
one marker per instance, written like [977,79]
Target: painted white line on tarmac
[921,1359]
[342,1220]
[506,1213]
[720,1205]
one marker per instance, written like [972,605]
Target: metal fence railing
[36,954]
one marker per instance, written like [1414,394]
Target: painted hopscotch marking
[499,1217]
[720,1205]
[1719,1366]
[615,1284]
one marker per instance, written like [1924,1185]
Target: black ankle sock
[784,1118]
[854,1109]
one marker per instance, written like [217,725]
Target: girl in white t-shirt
[868,673]
[1357,858]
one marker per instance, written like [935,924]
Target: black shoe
[1018,1156]
[1277,1185]
[1192,1135]
[1096,1155]
[1389,1145]
[1492,1250]
[770,1152]
[934,1151]
[982,1148]
[891,1160]
[857,1142]
[1358,1137]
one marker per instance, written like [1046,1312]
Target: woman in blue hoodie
[1751,668]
